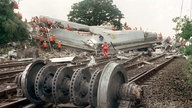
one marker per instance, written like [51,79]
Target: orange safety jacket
[105,46]
[51,39]
[40,38]
[54,38]
[49,22]
[59,45]
[43,30]
[15,5]
[45,44]
[114,29]
[41,19]
[68,27]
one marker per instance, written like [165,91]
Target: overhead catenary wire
[181,8]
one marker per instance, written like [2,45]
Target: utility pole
[190,9]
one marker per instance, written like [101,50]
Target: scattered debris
[64,59]
[148,63]
[92,62]
[122,57]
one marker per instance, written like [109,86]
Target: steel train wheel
[79,87]
[28,81]
[61,83]
[43,82]
[112,77]
[93,87]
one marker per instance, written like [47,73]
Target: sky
[151,15]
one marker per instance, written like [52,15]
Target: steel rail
[14,64]
[142,62]
[145,74]
[11,72]
[16,104]
[11,90]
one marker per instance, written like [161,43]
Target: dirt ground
[168,88]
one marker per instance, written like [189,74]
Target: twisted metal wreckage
[91,37]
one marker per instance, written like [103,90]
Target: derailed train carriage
[45,82]
[91,37]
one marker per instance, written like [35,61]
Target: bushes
[11,27]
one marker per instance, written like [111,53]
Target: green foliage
[184,30]
[183,27]
[188,71]
[95,12]
[11,27]
[188,50]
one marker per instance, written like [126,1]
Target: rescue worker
[105,49]
[51,40]
[41,39]
[54,39]
[114,28]
[59,46]
[68,27]
[101,38]
[15,5]
[49,23]
[42,30]
[45,45]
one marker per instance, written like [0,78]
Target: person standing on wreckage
[105,49]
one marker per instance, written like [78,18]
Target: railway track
[152,65]
[100,63]
[140,77]
[15,64]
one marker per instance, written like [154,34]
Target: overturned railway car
[91,37]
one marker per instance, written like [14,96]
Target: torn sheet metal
[81,34]
[64,59]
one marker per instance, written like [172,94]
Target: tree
[184,30]
[183,27]
[95,12]
[11,27]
